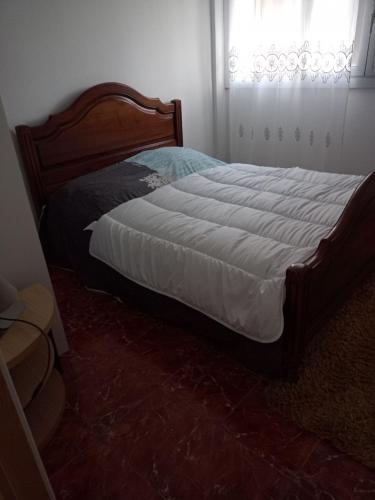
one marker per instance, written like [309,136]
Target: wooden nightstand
[25,351]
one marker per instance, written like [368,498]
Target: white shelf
[19,340]
[25,350]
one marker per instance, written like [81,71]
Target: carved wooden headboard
[106,124]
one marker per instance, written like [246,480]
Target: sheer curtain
[287,73]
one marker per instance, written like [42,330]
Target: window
[276,41]
[261,32]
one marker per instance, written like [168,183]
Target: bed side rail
[315,288]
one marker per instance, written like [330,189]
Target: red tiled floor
[101,473]
[155,412]
[277,440]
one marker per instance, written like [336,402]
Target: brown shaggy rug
[334,395]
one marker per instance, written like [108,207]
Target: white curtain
[287,73]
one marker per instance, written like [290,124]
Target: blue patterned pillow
[175,162]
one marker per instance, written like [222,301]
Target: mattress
[221,240]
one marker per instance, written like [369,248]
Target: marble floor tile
[72,437]
[330,471]
[100,473]
[281,442]
[157,412]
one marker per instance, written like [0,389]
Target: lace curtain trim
[298,62]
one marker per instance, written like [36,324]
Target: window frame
[363,67]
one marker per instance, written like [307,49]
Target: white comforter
[221,240]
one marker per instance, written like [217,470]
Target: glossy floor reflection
[155,412]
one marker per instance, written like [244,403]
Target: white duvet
[221,240]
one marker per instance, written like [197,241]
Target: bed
[111,122]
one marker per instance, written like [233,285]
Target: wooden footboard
[315,288]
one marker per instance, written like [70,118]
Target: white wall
[50,50]
[21,257]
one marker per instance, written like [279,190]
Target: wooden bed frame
[110,122]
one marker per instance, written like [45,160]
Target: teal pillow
[175,162]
